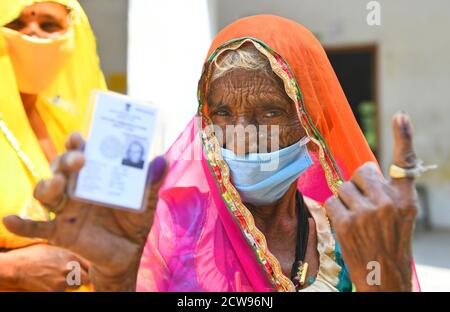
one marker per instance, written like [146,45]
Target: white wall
[109,21]
[168,43]
[414,69]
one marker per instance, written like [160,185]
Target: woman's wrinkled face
[42,20]
[252,97]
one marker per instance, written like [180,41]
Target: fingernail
[69,158]
[405,126]
[72,158]
[156,169]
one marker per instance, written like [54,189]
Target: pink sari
[195,243]
[203,237]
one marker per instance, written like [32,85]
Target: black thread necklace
[300,267]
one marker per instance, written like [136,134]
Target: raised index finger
[404,155]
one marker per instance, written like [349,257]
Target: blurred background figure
[388,56]
[48,65]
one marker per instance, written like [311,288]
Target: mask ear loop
[305,140]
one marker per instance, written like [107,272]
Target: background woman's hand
[44,268]
[112,240]
[374,219]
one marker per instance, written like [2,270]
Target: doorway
[355,67]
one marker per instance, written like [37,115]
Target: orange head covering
[301,62]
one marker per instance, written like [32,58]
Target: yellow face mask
[37,61]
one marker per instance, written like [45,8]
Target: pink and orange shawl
[203,237]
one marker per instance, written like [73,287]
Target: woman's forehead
[242,79]
[46,9]
[241,82]
[242,64]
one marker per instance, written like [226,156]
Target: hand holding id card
[117,153]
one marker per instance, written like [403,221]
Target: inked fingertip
[402,124]
[156,169]
[405,127]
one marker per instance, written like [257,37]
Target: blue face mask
[263,178]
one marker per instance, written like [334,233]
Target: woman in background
[48,65]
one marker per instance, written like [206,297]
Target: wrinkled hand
[374,219]
[112,240]
[45,268]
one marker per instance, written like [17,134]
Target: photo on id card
[119,137]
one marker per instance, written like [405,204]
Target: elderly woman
[230,212]
[49,66]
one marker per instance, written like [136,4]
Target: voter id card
[119,139]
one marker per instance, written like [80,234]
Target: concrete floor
[431,251]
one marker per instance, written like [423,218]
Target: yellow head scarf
[61,106]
